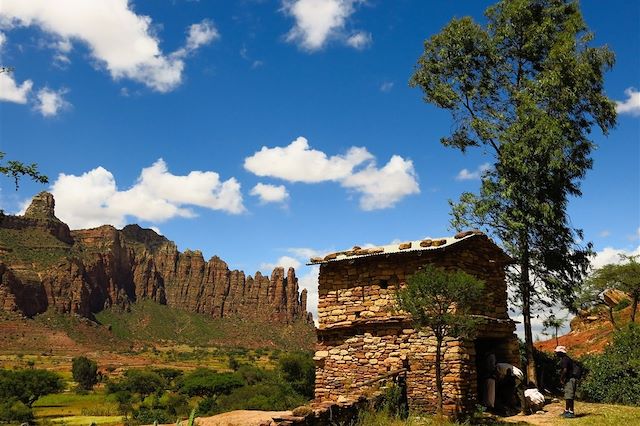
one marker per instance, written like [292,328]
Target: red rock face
[104,267]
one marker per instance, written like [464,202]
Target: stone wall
[361,335]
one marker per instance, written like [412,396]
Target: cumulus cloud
[10,91]
[120,40]
[356,170]
[50,102]
[631,105]
[3,40]
[319,21]
[466,174]
[201,34]
[611,255]
[93,198]
[359,40]
[297,162]
[384,187]
[270,193]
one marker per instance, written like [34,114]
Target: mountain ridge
[45,265]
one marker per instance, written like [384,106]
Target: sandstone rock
[104,267]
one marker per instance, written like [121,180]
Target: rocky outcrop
[93,269]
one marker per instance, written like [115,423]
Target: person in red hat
[568,380]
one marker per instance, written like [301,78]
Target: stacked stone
[362,335]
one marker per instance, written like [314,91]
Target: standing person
[490,374]
[567,380]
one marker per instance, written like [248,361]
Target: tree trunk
[439,373]
[612,319]
[634,306]
[526,313]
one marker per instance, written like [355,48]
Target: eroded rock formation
[44,265]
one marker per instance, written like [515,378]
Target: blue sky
[192,91]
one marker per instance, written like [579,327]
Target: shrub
[262,396]
[207,383]
[614,376]
[15,411]
[84,372]
[299,370]
[27,386]
[136,381]
[148,416]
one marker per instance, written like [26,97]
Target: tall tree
[439,302]
[527,89]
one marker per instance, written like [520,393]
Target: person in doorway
[489,375]
[567,380]
[511,391]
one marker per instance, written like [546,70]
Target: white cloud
[387,86]
[10,91]
[379,187]
[359,40]
[466,174]
[270,193]
[604,233]
[383,188]
[631,105]
[318,21]
[3,40]
[93,199]
[50,102]
[118,38]
[201,34]
[610,255]
[285,261]
[299,163]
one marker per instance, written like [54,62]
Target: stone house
[362,337]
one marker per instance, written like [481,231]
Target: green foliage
[624,277]
[16,169]
[440,301]
[299,370]
[261,396]
[624,303]
[207,383]
[614,376]
[84,372]
[28,385]
[151,322]
[528,88]
[394,402]
[14,411]
[137,381]
[146,416]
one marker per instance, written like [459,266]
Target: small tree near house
[439,302]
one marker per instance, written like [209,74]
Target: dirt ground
[238,418]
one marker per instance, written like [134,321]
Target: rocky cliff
[45,265]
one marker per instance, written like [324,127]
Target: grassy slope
[150,322]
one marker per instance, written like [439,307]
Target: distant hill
[591,330]
[44,266]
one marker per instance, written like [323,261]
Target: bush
[142,382]
[84,372]
[614,376]
[27,386]
[148,416]
[299,370]
[262,396]
[207,383]
[15,411]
